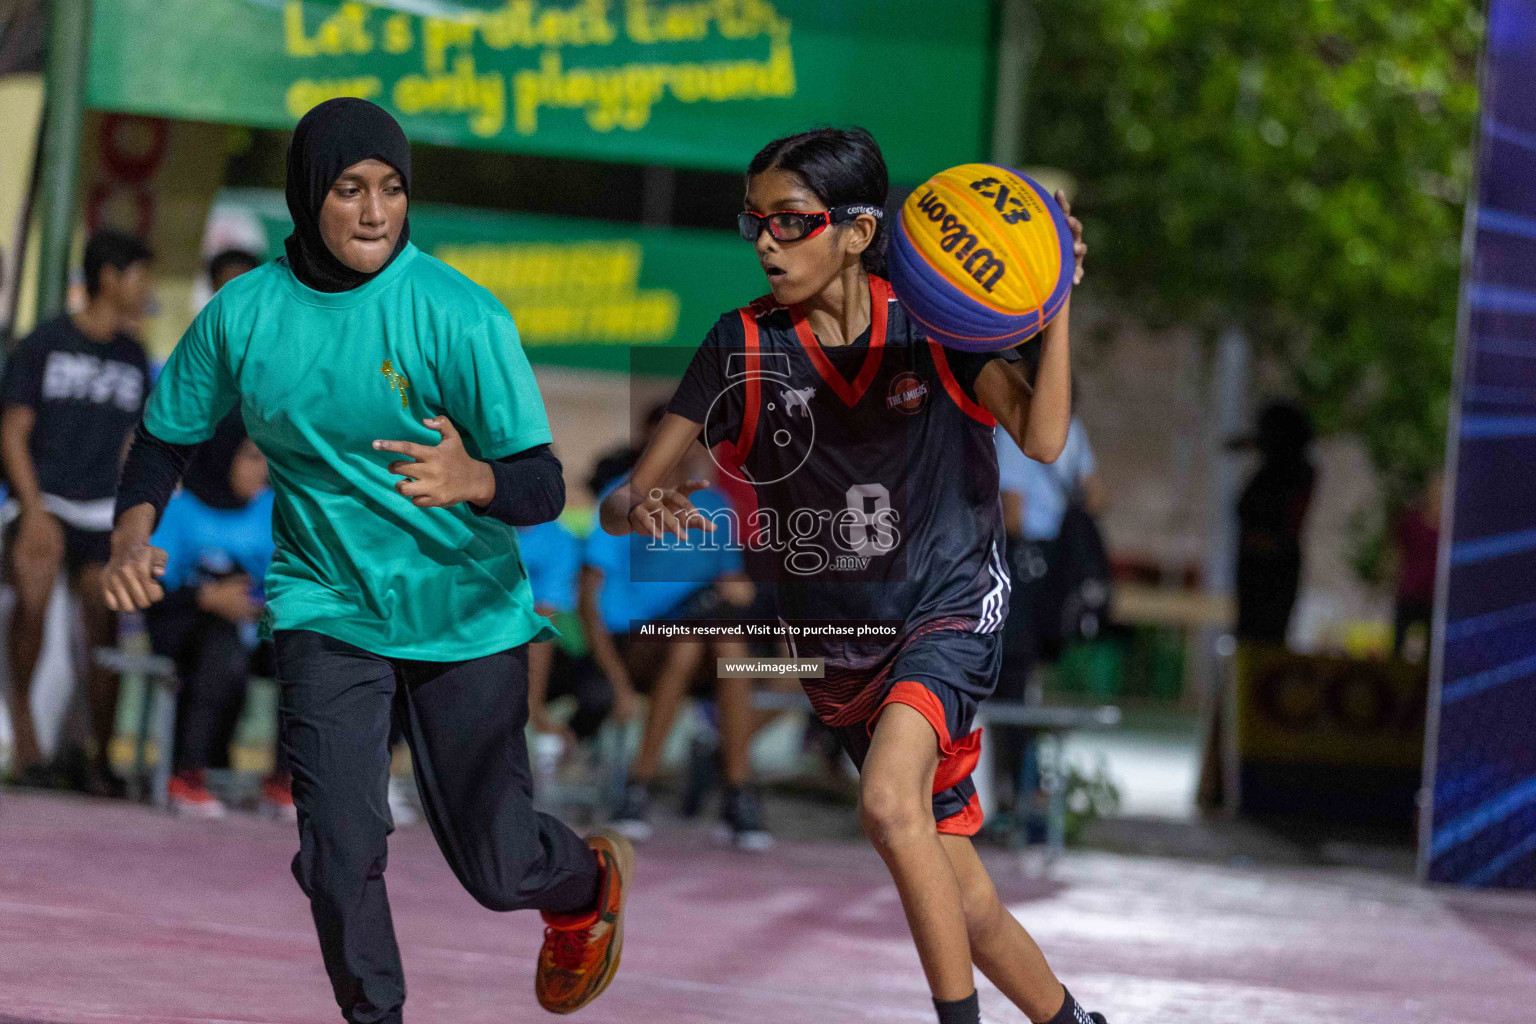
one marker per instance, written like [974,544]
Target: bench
[1050,724]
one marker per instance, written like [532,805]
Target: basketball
[981,257]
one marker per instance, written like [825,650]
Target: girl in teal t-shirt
[406,441]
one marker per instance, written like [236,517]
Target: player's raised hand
[443,474]
[1079,247]
[663,510]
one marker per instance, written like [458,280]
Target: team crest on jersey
[397,381]
[908,395]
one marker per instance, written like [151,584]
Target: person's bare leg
[100,624]
[32,576]
[734,697]
[896,810]
[1000,946]
[667,693]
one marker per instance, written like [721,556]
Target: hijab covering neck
[207,476]
[330,138]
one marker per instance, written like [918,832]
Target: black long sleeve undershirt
[150,473]
[530,484]
[530,488]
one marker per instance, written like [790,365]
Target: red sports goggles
[797,225]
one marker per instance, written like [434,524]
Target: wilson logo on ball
[960,241]
[981,257]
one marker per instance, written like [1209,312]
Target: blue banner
[1480,826]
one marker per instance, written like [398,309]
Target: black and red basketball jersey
[873,467]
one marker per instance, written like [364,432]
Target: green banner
[583,292]
[700,83]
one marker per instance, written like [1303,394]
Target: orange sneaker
[188,796]
[581,951]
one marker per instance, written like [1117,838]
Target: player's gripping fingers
[680,507]
[413,470]
[692,519]
[142,588]
[130,581]
[425,493]
[136,589]
[1079,247]
[641,525]
[1079,250]
[653,521]
[418,452]
[677,524]
[443,425]
[663,519]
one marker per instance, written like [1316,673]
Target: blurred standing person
[1270,515]
[71,396]
[217,536]
[1416,534]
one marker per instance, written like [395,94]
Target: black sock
[1070,1012]
[959,1011]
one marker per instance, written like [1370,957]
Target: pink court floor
[112,914]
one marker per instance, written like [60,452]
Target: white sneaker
[402,800]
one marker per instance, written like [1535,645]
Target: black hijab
[207,476]
[330,138]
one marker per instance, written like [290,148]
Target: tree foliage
[1295,169]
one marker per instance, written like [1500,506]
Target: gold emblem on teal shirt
[397,381]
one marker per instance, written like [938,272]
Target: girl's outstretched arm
[641,504]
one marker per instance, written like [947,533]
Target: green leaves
[1298,169]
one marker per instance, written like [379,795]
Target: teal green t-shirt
[318,378]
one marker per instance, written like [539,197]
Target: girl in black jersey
[841,413]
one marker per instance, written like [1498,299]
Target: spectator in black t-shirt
[71,396]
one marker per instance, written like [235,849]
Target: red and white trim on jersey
[743,445]
[956,392]
[880,299]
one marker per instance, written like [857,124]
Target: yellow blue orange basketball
[981,257]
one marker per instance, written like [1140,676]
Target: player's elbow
[1044,451]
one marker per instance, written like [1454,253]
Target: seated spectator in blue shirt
[552,557]
[628,582]
[1036,494]
[217,537]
